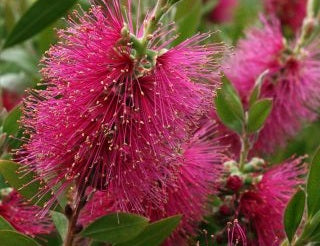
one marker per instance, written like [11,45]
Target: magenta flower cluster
[132,134]
[134,128]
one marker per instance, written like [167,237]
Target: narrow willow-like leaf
[255,94]
[61,223]
[155,233]
[116,227]
[229,106]
[11,126]
[258,114]
[293,214]
[40,15]
[23,183]
[12,238]
[313,184]
[5,225]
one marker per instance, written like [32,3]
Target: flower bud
[225,210]
[231,166]
[234,183]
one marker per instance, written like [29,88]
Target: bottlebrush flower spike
[99,205]
[290,12]
[22,216]
[199,165]
[292,81]
[263,206]
[105,120]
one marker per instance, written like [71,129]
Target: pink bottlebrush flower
[102,121]
[22,216]
[199,165]
[99,205]
[290,12]
[292,81]
[263,205]
[224,11]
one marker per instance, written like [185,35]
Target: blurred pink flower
[263,206]
[292,81]
[10,99]
[224,11]
[290,12]
[22,216]
[101,124]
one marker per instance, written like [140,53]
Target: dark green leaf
[5,225]
[313,184]
[25,184]
[12,238]
[116,227]
[187,18]
[61,223]
[95,243]
[258,114]
[294,213]
[155,233]
[41,14]
[229,106]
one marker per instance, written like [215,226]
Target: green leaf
[187,18]
[23,183]
[155,233]
[255,94]
[258,114]
[95,243]
[313,184]
[41,14]
[311,229]
[10,124]
[294,213]
[116,227]
[229,106]
[61,223]
[12,238]
[5,225]
[3,182]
